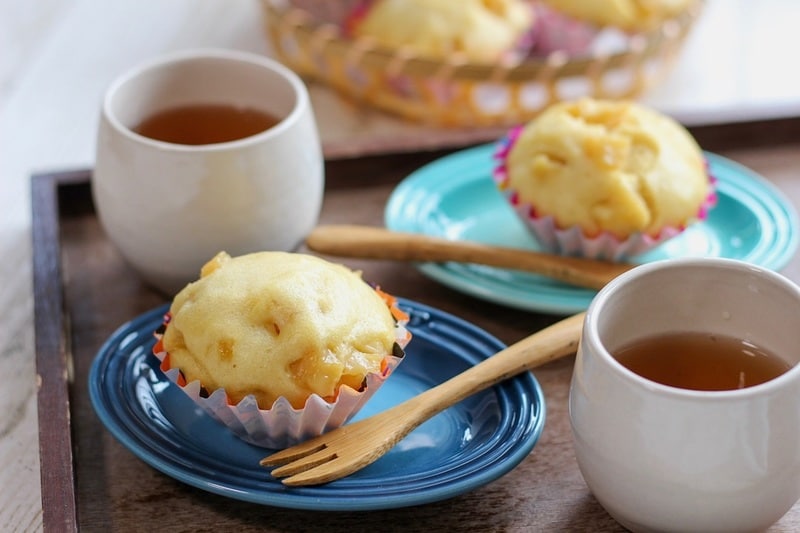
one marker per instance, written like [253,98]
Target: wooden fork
[351,447]
[378,243]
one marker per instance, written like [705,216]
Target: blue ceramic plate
[464,447]
[455,197]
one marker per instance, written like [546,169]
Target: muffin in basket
[571,26]
[629,15]
[480,31]
[280,346]
[604,179]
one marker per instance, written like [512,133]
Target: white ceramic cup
[660,458]
[168,207]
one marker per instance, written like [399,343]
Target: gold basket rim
[326,37]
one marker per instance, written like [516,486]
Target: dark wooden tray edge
[53,353]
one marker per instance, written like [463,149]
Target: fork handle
[557,340]
[378,243]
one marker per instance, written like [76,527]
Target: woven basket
[456,92]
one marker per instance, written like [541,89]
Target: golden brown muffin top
[277,324]
[613,166]
[483,30]
[630,15]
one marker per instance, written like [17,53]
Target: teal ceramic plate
[454,197]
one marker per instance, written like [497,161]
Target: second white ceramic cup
[661,458]
[169,207]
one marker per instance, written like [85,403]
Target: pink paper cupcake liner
[283,425]
[571,240]
[555,32]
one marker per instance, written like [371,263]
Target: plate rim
[398,217]
[523,387]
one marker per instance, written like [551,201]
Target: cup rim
[301,103]
[591,329]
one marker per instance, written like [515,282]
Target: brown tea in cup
[663,458]
[169,206]
[701,361]
[205,124]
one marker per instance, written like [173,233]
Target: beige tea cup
[169,207]
[662,458]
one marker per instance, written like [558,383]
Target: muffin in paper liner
[520,28]
[582,29]
[283,425]
[572,240]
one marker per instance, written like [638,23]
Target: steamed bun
[483,30]
[275,324]
[608,166]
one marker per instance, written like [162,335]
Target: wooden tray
[84,291]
